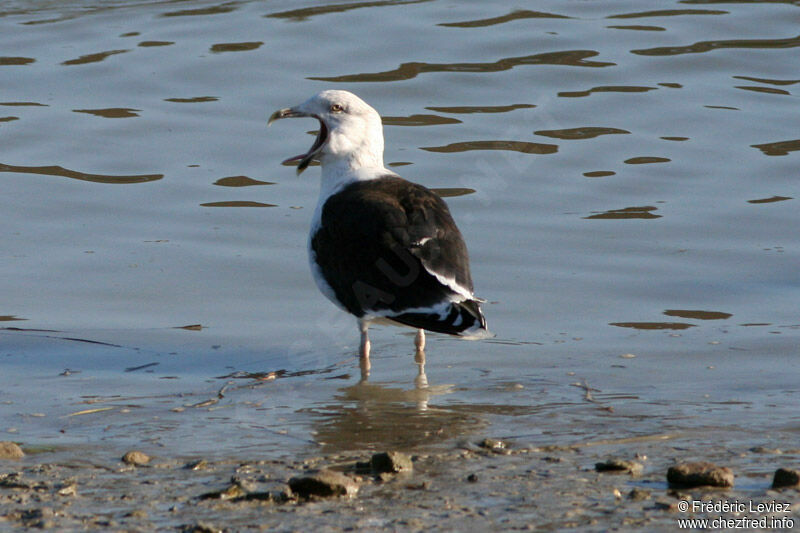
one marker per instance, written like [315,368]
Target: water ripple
[607,89]
[93,58]
[779,148]
[706,46]
[586,132]
[112,112]
[668,13]
[515,146]
[10,60]
[299,15]
[419,120]
[481,109]
[645,212]
[514,15]
[54,170]
[407,71]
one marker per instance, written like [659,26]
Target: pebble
[135,458]
[619,465]
[391,462]
[324,484]
[493,444]
[786,477]
[10,450]
[636,494]
[699,474]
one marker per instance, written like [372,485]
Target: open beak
[322,136]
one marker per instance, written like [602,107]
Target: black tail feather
[461,318]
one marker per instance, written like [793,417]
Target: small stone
[233,491]
[472,478]
[135,458]
[492,444]
[636,494]
[324,484]
[10,450]
[70,489]
[200,527]
[699,474]
[619,465]
[391,462]
[200,464]
[662,505]
[786,477]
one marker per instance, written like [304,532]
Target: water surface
[625,176]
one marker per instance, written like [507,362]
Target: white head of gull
[380,247]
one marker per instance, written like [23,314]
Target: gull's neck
[339,171]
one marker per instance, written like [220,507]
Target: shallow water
[625,176]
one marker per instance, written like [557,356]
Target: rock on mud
[619,465]
[699,474]
[391,462]
[135,458]
[323,484]
[10,450]
[786,477]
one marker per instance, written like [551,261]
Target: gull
[381,248]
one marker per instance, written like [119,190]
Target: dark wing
[389,246]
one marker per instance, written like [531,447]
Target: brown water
[625,174]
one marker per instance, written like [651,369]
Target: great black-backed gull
[380,247]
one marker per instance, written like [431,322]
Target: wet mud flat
[487,484]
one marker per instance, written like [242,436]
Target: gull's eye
[337,108]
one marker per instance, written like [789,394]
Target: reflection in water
[370,415]
[419,120]
[514,15]
[235,47]
[449,192]
[23,104]
[586,132]
[779,148]
[66,173]
[768,81]
[9,60]
[145,44]
[606,89]
[481,109]
[240,181]
[213,10]
[652,325]
[628,212]
[697,314]
[299,15]
[194,100]
[668,13]
[112,112]
[516,146]
[407,71]
[93,58]
[770,200]
[767,90]
[638,28]
[599,173]
[237,203]
[706,46]
[646,160]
